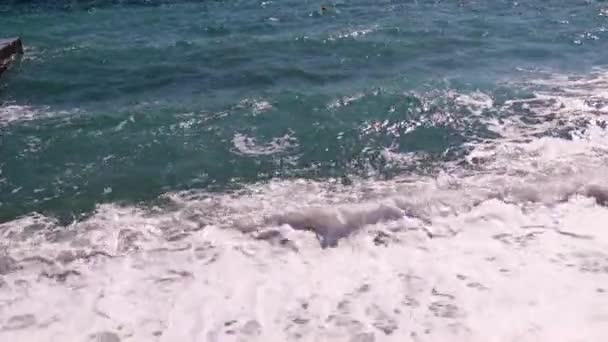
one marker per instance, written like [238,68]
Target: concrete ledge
[8,48]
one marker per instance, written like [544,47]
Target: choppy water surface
[202,153]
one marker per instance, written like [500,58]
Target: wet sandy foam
[509,245]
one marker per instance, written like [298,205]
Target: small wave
[12,113]
[560,102]
[391,155]
[249,146]
[345,101]
[258,106]
[352,33]
[476,102]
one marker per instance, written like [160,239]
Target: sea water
[285,170]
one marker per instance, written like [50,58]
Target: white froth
[344,101]
[477,101]
[12,113]
[352,33]
[258,106]
[392,156]
[510,248]
[249,146]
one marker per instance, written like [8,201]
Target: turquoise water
[122,101]
[378,170]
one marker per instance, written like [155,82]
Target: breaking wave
[507,241]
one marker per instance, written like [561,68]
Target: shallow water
[451,154]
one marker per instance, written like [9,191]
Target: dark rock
[9,48]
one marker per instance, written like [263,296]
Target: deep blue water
[121,101]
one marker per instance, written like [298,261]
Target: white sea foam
[12,113]
[511,247]
[249,146]
[344,101]
[477,101]
[391,155]
[258,106]
[352,33]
